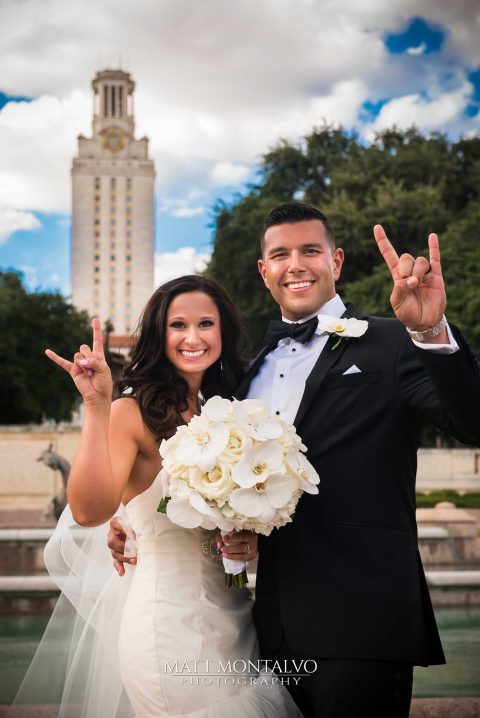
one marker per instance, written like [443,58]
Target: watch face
[114,140]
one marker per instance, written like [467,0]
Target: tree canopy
[411,183]
[32,388]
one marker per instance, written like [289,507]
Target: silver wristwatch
[434,331]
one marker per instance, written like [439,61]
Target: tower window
[97,183]
[112,184]
[97,257]
[129,184]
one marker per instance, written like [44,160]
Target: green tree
[460,251]
[411,183]
[32,388]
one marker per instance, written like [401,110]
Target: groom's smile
[300,267]
[299,285]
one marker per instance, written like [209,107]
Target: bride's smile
[193,339]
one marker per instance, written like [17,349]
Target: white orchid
[202,444]
[303,469]
[256,422]
[192,511]
[342,328]
[290,439]
[262,500]
[217,409]
[258,463]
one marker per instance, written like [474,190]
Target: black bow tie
[277,330]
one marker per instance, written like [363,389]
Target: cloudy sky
[218,83]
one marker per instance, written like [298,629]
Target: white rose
[214,484]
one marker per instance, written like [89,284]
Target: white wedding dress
[185,638]
[165,640]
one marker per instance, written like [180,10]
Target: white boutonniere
[342,328]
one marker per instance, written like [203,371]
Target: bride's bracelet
[209,548]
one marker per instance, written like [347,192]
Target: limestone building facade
[113,209]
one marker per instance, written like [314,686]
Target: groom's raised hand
[418,295]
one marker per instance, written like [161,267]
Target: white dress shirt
[280,382]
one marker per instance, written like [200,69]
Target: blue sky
[214,90]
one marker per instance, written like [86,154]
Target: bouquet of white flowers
[234,467]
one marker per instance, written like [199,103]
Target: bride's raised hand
[89,369]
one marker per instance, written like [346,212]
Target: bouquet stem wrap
[235,571]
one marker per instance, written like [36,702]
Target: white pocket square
[353,370]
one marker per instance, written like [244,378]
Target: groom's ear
[338,259]
[263,271]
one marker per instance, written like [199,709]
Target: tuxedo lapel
[253,368]
[325,362]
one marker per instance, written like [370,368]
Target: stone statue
[57,463]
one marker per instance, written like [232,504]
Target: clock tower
[112,209]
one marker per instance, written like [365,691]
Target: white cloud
[183,206]
[37,144]
[188,211]
[418,50]
[12,220]
[425,114]
[228,173]
[217,84]
[185,260]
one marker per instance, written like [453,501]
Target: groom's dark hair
[293,212]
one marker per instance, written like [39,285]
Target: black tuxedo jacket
[344,579]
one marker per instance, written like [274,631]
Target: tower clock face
[114,140]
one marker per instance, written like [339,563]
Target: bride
[186,644]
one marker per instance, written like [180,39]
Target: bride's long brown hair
[160,391]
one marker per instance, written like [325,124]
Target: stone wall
[457,469]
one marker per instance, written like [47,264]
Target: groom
[343,583]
